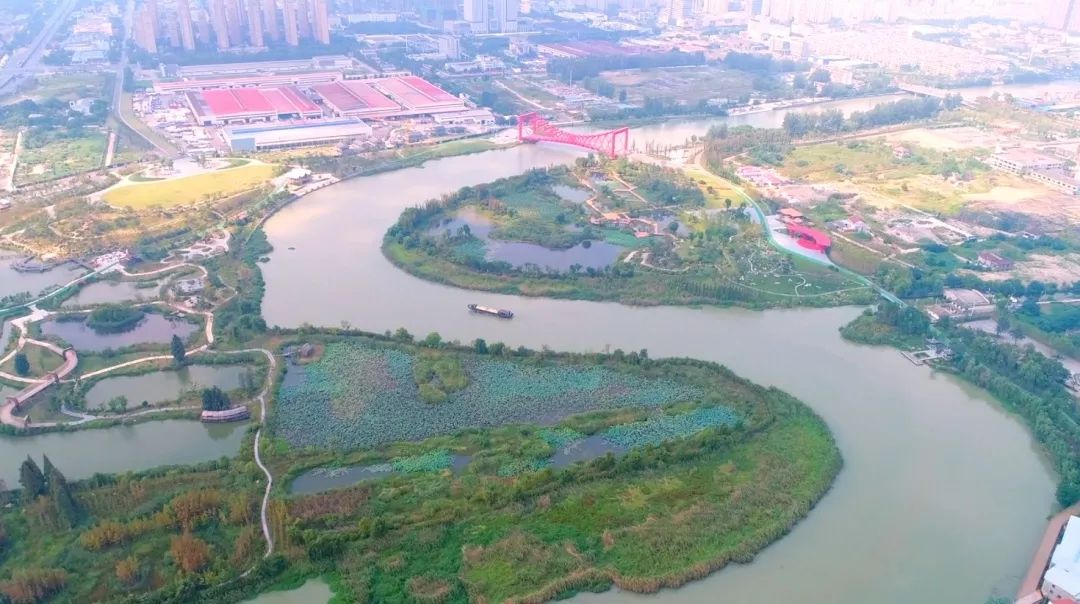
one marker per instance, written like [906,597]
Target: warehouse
[417,94]
[356,99]
[283,135]
[239,105]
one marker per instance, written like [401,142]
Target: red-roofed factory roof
[417,93]
[355,98]
[232,104]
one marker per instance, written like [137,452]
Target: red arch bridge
[533,128]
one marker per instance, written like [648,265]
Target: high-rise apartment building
[254,23]
[220,23]
[144,30]
[292,37]
[492,16]
[303,19]
[234,18]
[155,17]
[322,21]
[680,12]
[171,30]
[187,31]
[203,31]
[270,20]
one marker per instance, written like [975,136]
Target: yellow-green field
[200,188]
[716,189]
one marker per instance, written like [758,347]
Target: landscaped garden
[647,236]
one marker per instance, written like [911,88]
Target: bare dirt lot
[1028,198]
[1048,269]
[947,139]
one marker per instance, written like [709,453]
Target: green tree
[215,399]
[22,364]
[67,509]
[31,478]
[177,348]
[481,346]
[433,340]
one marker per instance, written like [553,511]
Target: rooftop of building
[1025,157]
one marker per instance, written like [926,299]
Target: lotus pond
[362,393]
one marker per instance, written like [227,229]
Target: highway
[118,85]
[31,59]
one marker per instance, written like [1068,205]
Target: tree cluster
[51,484]
[215,399]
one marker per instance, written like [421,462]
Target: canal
[943,496]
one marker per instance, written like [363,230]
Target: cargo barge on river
[495,312]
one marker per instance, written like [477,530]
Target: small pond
[323,479]
[572,194]
[136,447]
[592,254]
[586,449]
[163,386]
[313,591]
[153,328]
[108,292]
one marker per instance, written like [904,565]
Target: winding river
[943,496]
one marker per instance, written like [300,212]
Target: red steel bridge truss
[533,128]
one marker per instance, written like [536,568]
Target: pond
[586,449]
[591,254]
[134,447]
[323,479]
[154,328]
[14,282]
[109,292]
[313,591]
[161,386]
[572,194]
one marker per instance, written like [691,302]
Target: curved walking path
[258,439]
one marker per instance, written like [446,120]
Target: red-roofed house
[811,239]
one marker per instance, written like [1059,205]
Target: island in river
[676,455]
[632,232]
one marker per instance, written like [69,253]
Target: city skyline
[230,24]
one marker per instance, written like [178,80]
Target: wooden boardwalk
[1030,586]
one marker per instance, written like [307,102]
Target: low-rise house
[994,262]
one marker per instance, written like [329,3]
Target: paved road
[32,59]
[118,85]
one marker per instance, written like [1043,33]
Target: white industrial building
[283,135]
[1062,578]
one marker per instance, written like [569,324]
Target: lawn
[716,189]
[61,158]
[191,189]
[42,360]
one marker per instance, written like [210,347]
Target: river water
[943,496]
